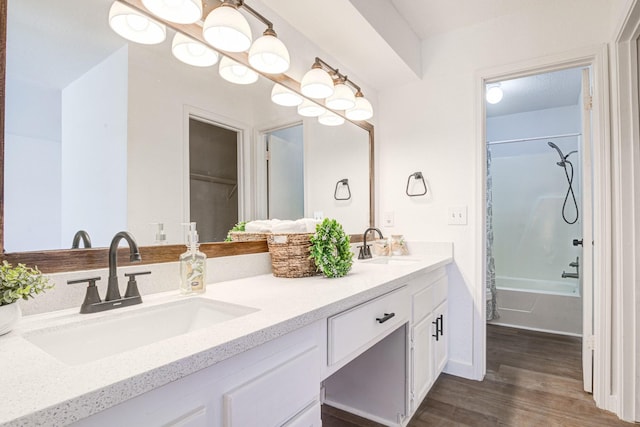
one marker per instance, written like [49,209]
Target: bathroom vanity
[371,343]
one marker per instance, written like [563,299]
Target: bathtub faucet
[575,275]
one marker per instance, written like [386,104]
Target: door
[285,188]
[586,264]
[421,360]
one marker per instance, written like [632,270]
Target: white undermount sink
[393,260]
[86,341]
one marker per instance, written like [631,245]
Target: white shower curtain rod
[505,141]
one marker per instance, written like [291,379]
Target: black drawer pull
[386,317]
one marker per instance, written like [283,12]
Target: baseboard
[548,331]
[461,369]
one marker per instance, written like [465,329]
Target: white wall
[94,152]
[32,165]
[432,126]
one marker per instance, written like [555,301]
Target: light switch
[457,215]
[387,219]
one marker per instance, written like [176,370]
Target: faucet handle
[92,296]
[365,252]
[132,284]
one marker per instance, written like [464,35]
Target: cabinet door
[441,345]
[421,360]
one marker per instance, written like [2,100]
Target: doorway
[213,178]
[538,205]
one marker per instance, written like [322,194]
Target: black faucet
[81,235]
[365,250]
[113,291]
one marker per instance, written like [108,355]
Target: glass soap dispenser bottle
[193,265]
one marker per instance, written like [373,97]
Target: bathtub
[547,306]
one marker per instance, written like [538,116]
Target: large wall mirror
[98,134]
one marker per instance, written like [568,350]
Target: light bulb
[317,84]
[269,55]
[285,97]
[494,95]
[342,98]
[193,52]
[310,109]
[226,29]
[330,119]
[235,72]
[179,11]
[134,26]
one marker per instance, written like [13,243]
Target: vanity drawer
[355,328]
[426,300]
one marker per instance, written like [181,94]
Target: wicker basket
[290,255]
[243,236]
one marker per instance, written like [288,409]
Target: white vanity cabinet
[429,337]
[275,384]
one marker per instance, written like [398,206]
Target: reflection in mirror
[98,136]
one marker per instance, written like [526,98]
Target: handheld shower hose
[564,161]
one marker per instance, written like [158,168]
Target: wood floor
[533,379]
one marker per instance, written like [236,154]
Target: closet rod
[505,141]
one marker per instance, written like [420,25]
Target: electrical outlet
[387,219]
[457,215]
[318,215]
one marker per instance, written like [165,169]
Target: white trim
[547,331]
[245,205]
[626,141]
[596,57]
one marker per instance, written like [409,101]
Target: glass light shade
[362,110]
[269,55]
[330,119]
[342,98]
[235,72]
[494,95]
[226,29]
[134,26]
[310,109]
[285,97]
[179,11]
[317,84]
[193,52]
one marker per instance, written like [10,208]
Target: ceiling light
[193,52]
[362,110]
[134,26]
[342,98]
[235,72]
[317,83]
[179,11]
[310,109]
[494,94]
[330,119]
[285,97]
[226,29]
[268,54]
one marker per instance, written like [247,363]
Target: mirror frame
[56,261]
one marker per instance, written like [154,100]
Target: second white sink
[83,342]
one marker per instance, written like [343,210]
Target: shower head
[562,157]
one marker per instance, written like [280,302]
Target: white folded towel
[258,226]
[289,227]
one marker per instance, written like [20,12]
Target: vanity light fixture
[235,72]
[330,118]
[362,110]
[267,54]
[226,29]
[193,52]
[282,96]
[342,98]
[317,83]
[135,26]
[178,11]
[310,109]
[494,94]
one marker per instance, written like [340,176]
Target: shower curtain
[492,310]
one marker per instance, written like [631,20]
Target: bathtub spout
[570,275]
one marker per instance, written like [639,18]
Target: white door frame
[597,59]
[626,208]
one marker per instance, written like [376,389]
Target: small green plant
[238,227]
[331,249]
[20,282]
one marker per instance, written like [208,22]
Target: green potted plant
[20,282]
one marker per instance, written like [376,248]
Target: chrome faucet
[113,291]
[92,302]
[81,235]
[365,250]
[576,275]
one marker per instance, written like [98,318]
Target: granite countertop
[38,389]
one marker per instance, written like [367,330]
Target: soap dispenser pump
[192,264]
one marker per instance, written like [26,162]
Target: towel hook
[416,176]
[344,182]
